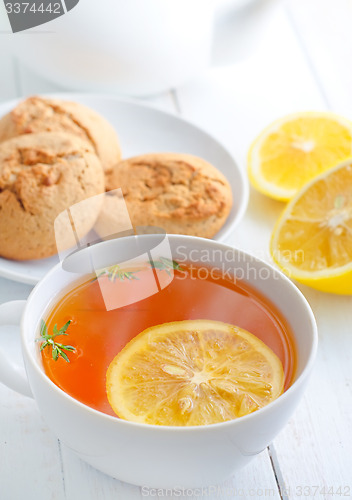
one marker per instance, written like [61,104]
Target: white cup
[137,47]
[132,47]
[158,456]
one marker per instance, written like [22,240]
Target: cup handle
[12,375]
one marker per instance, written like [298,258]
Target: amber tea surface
[98,335]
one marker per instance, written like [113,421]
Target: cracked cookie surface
[37,114]
[41,175]
[182,194]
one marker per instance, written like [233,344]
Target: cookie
[180,193]
[42,175]
[37,114]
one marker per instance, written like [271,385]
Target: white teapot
[137,47]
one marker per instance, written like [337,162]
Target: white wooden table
[303,63]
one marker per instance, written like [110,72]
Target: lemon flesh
[193,372]
[312,241]
[295,149]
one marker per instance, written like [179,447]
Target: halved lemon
[312,240]
[193,372]
[295,149]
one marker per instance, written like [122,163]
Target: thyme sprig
[48,341]
[115,272]
[164,264]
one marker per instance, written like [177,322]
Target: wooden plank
[319,437]
[256,480]
[32,84]
[29,455]
[81,480]
[324,31]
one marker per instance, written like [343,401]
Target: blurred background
[141,49]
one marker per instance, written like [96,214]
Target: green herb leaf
[47,340]
[63,329]
[164,264]
[43,328]
[66,347]
[115,272]
[64,355]
[157,265]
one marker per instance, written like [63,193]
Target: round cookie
[41,176]
[37,114]
[180,193]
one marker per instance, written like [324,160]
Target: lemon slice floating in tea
[312,241]
[193,372]
[295,149]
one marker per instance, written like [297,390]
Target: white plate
[143,129]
